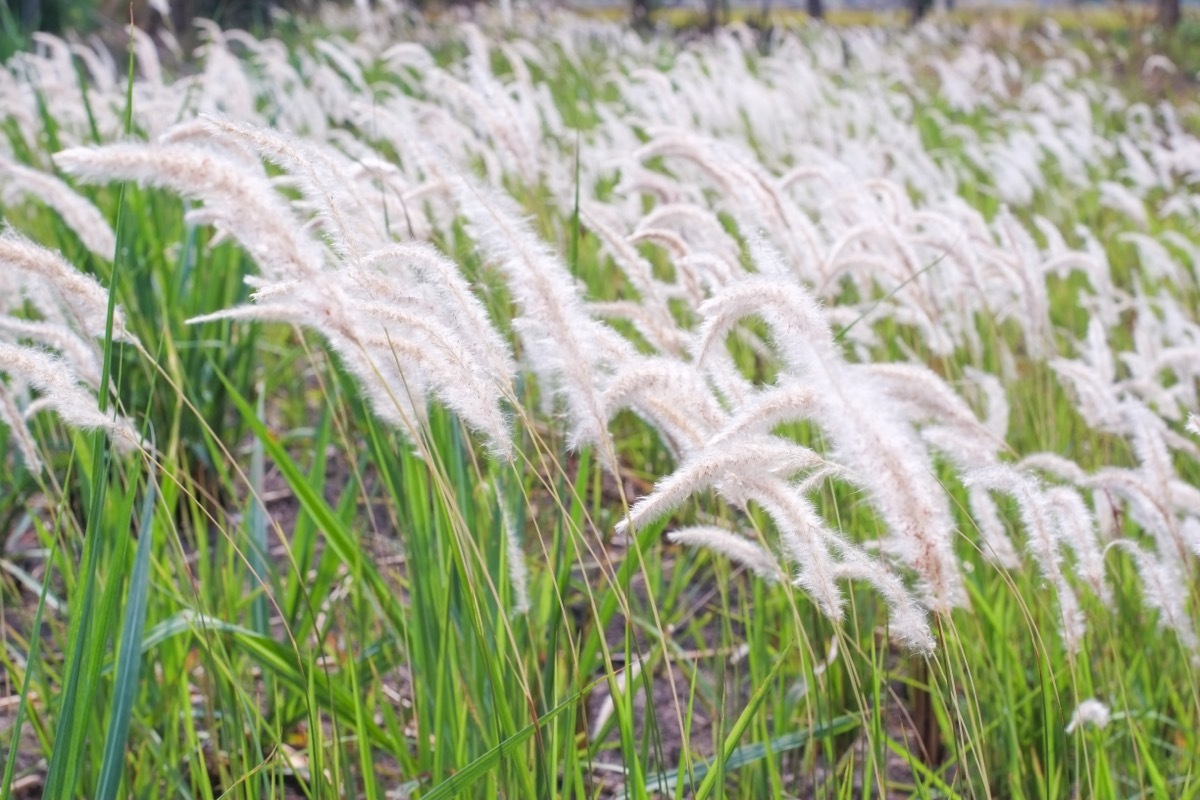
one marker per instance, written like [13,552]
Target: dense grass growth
[526,409]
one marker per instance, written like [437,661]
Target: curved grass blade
[666,782]
[256,529]
[129,659]
[35,641]
[83,640]
[480,766]
[337,535]
[272,657]
[718,765]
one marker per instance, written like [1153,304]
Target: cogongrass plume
[569,351]
[757,469]
[878,447]
[21,182]
[1047,530]
[406,325]
[54,362]
[240,202]
[58,390]
[60,292]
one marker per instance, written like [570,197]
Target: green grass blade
[274,658]
[35,641]
[129,659]
[719,764]
[489,760]
[669,780]
[66,757]
[256,549]
[337,535]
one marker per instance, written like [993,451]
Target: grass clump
[521,408]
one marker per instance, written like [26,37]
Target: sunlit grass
[331,607]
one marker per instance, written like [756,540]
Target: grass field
[523,408]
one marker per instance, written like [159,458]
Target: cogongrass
[820,278]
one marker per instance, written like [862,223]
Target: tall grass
[532,410]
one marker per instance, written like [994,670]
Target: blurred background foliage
[20,18]
[108,18]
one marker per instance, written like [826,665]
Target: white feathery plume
[1155,260]
[351,225]
[884,453]
[637,180]
[996,406]
[98,63]
[1183,497]
[76,211]
[751,193]
[653,323]
[700,229]
[1090,713]
[907,621]
[734,471]
[763,411]
[395,272]
[400,348]
[733,546]
[673,242]
[599,221]
[518,574]
[81,296]
[669,395]
[1147,430]
[806,541]
[1039,519]
[146,53]
[1056,465]
[1189,529]
[393,370]
[1075,528]
[11,417]
[60,391]
[1164,589]
[1145,502]
[794,316]
[921,396]
[1108,516]
[1123,201]
[566,348]
[756,470]
[994,541]
[225,87]
[1095,398]
[244,205]
[83,356]
[197,132]
[1023,262]
[707,272]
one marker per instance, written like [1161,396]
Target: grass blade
[482,765]
[66,758]
[129,659]
[718,765]
[35,641]
[667,781]
[337,535]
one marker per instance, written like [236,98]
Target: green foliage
[19,18]
[285,598]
